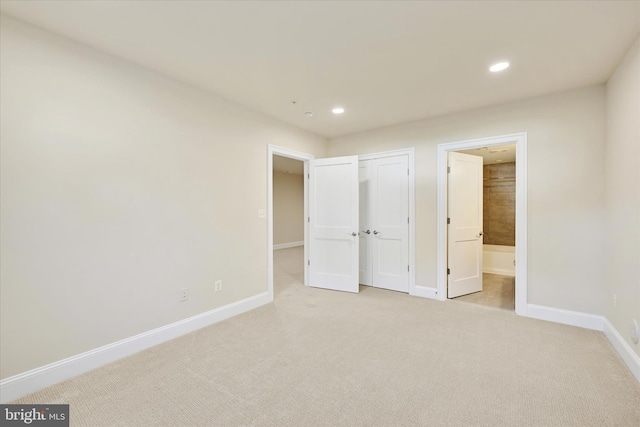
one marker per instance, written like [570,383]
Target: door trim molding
[297,155]
[520,139]
[410,152]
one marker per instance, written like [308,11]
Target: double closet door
[384,222]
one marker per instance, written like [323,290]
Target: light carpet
[378,358]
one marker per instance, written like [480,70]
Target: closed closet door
[366,253]
[384,192]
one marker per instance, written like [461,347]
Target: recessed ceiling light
[338,110]
[502,150]
[499,67]
[308,113]
[498,160]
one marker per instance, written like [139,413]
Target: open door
[333,223]
[465,224]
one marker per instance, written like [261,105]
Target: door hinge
[407,268]
[448,169]
[448,271]
[308,176]
[407,171]
[448,220]
[308,219]
[407,220]
[308,262]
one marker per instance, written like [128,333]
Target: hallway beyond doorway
[288,269]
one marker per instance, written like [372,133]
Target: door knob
[376,232]
[354,234]
[368,231]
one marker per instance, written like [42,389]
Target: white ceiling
[385,62]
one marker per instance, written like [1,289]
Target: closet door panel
[366,254]
[389,210]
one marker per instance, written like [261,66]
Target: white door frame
[297,155]
[410,152]
[305,157]
[520,139]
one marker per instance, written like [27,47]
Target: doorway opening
[498,235]
[291,268]
[288,223]
[504,226]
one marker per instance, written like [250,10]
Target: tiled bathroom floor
[497,291]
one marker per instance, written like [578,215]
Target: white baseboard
[287,245]
[36,379]
[623,348]
[425,292]
[566,317]
[590,321]
[500,271]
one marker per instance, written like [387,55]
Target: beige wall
[288,208]
[119,187]
[622,180]
[566,133]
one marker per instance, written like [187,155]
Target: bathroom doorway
[498,227]
[503,284]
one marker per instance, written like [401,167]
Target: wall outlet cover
[635,332]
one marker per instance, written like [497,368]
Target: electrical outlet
[635,331]
[615,300]
[217,285]
[262,213]
[184,294]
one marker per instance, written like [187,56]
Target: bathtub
[499,259]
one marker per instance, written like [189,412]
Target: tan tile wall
[500,204]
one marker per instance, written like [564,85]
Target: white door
[389,220]
[465,224]
[384,226]
[366,250]
[333,223]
